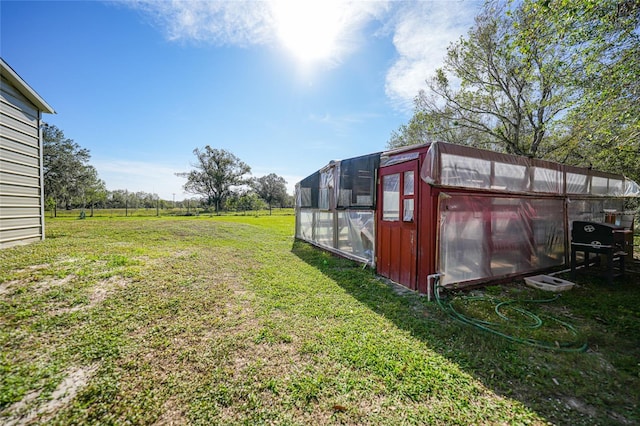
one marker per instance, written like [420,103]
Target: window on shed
[409,190]
[407,208]
[409,183]
[391,197]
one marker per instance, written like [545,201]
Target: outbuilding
[21,168]
[463,214]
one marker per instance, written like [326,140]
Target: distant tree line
[220,183]
[69,179]
[224,182]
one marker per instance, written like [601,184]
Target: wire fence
[165,212]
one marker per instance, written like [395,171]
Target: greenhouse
[460,213]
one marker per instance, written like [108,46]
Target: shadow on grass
[601,386]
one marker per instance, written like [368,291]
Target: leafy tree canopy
[215,173]
[271,188]
[554,79]
[603,127]
[67,172]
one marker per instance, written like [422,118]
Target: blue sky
[287,86]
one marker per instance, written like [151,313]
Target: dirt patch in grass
[97,294]
[182,253]
[173,414]
[32,268]
[41,276]
[6,287]
[40,285]
[47,284]
[31,407]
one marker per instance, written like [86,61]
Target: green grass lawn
[228,320]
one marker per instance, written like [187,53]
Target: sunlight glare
[309,29]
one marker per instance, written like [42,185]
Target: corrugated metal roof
[24,88]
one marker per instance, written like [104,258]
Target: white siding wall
[21,198]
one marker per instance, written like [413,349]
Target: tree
[491,94]
[93,188]
[244,201]
[216,172]
[271,188]
[603,128]
[553,79]
[426,126]
[66,169]
[418,130]
[117,199]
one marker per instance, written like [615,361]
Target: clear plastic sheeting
[493,215]
[308,189]
[615,187]
[335,207]
[586,182]
[325,194]
[351,233]
[457,170]
[631,189]
[450,165]
[600,184]
[389,158]
[510,177]
[592,209]
[356,233]
[305,225]
[323,228]
[548,231]
[346,184]
[483,237]
[357,182]
[577,183]
[547,180]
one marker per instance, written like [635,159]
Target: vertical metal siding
[21,180]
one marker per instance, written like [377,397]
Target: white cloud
[244,23]
[422,33]
[421,30]
[240,23]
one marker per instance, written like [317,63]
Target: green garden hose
[533,321]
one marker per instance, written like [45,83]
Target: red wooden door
[397,244]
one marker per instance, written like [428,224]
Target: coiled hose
[533,321]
